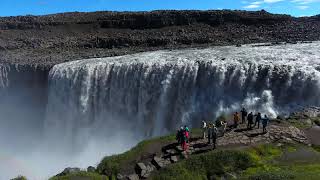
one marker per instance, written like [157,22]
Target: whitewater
[103,106]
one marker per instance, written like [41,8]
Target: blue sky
[39,7]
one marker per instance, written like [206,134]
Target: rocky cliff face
[52,39]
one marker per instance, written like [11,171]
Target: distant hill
[51,39]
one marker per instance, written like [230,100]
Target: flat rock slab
[174,159]
[160,162]
[133,177]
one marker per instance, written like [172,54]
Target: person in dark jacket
[244,114]
[214,135]
[265,122]
[250,120]
[258,119]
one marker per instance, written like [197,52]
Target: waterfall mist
[98,107]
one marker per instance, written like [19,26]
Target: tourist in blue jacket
[265,122]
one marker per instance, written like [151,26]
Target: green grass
[317,121]
[19,178]
[261,162]
[295,171]
[113,164]
[272,168]
[265,152]
[212,164]
[299,123]
[316,147]
[79,175]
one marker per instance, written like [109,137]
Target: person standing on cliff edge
[244,114]
[265,122]
[236,119]
[204,129]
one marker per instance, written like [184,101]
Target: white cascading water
[152,93]
[99,107]
[3,76]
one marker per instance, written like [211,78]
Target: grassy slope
[259,162]
[113,164]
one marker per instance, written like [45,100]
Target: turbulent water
[104,106]
[154,93]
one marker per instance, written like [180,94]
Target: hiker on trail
[250,120]
[186,132]
[236,119]
[204,129]
[183,139]
[258,119]
[210,126]
[265,122]
[214,135]
[223,127]
[244,114]
[179,135]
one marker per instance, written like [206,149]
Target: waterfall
[152,93]
[4,76]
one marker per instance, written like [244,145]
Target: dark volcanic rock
[52,39]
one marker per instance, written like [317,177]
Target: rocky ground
[52,39]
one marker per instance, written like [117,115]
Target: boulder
[160,162]
[120,176]
[174,159]
[91,169]
[143,170]
[170,151]
[133,177]
[140,167]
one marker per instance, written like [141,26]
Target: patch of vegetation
[297,171]
[112,164]
[299,123]
[316,147]
[20,178]
[211,164]
[261,162]
[265,152]
[317,122]
[79,175]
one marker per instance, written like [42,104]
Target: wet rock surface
[53,39]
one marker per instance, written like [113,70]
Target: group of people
[212,130]
[182,137]
[250,118]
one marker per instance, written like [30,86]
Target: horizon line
[139,11]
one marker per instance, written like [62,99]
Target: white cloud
[304,1]
[272,1]
[302,7]
[251,6]
[256,3]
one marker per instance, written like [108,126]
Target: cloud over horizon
[301,5]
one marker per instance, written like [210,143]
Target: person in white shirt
[204,129]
